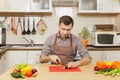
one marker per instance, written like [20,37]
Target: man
[62,47]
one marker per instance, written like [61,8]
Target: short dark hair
[66,20]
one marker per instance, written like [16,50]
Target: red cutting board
[62,69]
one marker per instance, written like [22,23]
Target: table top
[86,73]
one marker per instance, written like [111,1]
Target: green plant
[84,34]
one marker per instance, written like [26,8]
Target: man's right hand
[54,59]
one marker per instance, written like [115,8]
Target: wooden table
[86,73]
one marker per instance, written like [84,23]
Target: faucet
[31,42]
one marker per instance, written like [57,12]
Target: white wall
[52,24]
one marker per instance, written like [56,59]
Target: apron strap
[71,40]
[57,37]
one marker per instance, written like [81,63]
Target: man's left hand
[73,64]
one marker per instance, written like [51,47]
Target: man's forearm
[84,61]
[44,59]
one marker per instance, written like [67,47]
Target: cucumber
[17,75]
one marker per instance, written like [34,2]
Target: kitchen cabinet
[18,5]
[99,6]
[96,55]
[30,5]
[33,56]
[104,56]
[2,5]
[109,6]
[41,5]
[88,6]
[112,55]
[1,63]
[17,56]
[25,7]
[14,57]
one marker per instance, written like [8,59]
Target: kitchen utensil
[18,24]
[2,19]
[41,26]
[65,65]
[11,24]
[33,31]
[23,32]
[28,31]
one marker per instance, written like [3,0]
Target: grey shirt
[76,44]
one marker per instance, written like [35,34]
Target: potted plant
[84,35]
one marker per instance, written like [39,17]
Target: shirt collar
[59,36]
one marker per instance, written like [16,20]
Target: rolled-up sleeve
[82,50]
[47,49]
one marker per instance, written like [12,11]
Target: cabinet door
[1,64]
[99,6]
[88,6]
[109,6]
[14,57]
[19,5]
[96,55]
[2,5]
[112,55]
[41,5]
[33,56]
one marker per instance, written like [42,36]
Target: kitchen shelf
[97,13]
[25,13]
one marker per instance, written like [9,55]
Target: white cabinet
[1,63]
[41,6]
[109,6]
[88,6]
[14,57]
[112,55]
[18,5]
[2,5]
[96,55]
[104,56]
[25,5]
[33,56]
[99,6]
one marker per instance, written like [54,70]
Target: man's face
[65,30]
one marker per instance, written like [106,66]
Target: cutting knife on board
[65,65]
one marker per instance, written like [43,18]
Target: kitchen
[109,13]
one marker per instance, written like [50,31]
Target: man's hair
[66,20]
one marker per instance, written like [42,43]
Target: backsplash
[52,25]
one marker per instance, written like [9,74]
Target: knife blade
[65,65]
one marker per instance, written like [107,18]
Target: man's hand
[73,64]
[54,59]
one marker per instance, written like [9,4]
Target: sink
[18,46]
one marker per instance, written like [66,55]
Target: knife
[65,65]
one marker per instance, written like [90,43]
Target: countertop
[86,73]
[39,47]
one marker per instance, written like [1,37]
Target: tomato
[28,74]
[108,66]
[103,67]
[113,66]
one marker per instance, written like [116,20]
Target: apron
[65,53]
